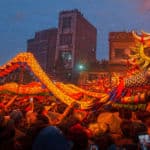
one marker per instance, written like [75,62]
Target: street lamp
[81,67]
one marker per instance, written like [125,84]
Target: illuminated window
[68,76]
[67,59]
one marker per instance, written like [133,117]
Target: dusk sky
[20,19]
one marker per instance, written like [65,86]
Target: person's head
[52,139]
[79,137]
[104,141]
[17,116]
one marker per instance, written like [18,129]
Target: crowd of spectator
[40,123]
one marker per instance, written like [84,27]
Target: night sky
[20,19]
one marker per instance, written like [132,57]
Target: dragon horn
[145,33]
[136,36]
[139,37]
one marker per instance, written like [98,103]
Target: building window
[66,57]
[65,39]
[68,76]
[120,54]
[92,77]
[66,22]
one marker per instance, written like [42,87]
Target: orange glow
[37,70]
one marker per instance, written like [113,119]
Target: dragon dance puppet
[142,60]
[132,89]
